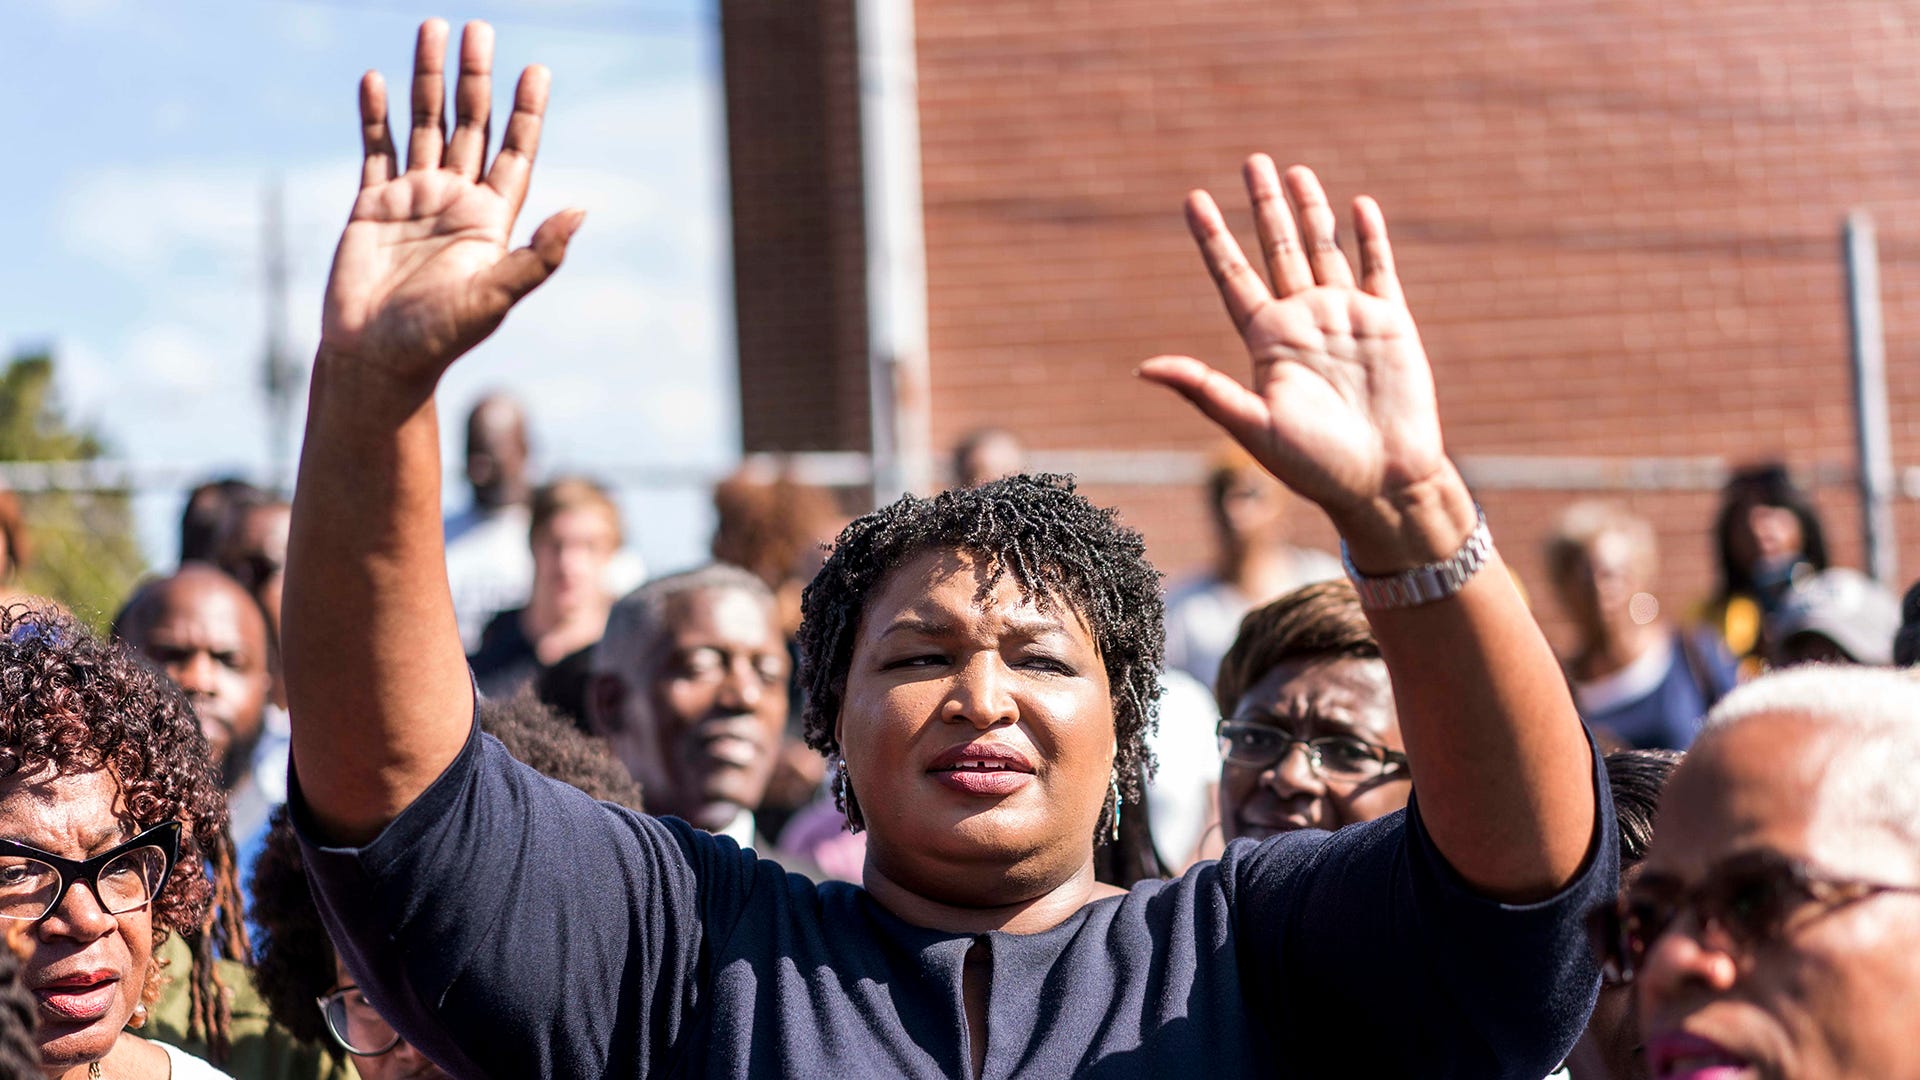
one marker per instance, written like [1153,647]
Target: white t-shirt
[489,565]
[187,1067]
[1189,755]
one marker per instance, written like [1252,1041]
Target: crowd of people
[958,786]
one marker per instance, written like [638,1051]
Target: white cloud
[172,359]
[621,357]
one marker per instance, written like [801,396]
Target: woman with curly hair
[982,665]
[113,836]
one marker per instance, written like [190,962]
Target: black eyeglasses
[1749,898]
[124,878]
[355,1024]
[1345,757]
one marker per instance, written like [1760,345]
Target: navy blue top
[512,927]
[1668,716]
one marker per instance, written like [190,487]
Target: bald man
[207,633]
[1773,929]
[689,686]
[489,564]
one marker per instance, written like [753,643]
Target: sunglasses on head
[1749,899]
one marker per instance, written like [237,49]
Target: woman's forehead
[50,809]
[1765,783]
[959,587]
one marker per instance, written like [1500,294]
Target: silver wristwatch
[1423,584]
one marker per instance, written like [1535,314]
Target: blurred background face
[1834,995]
[701,729]
[570,557]
[1598,586]
[1250,509]
[1346,697]
[86,969]
[992,456]
[1766,535]
[497,453]
[254,548]
[210,638]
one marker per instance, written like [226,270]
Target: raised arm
[1342,410]
[377,684]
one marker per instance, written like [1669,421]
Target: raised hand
[1342,406]
[423,273]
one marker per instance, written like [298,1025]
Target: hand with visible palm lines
[1342,406]
[423,273]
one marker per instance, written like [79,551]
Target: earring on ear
[1116,806]
[843,791]
[149,992]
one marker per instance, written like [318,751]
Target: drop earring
[1116,806]
[843,788]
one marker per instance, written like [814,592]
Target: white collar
[741,830]
[1630,683]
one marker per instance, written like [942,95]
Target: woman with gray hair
[1772,929]
[1636,677]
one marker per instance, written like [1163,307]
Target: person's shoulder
[1280,868]
[188,1067]
[502,641]
[1196,588]
[1312,564]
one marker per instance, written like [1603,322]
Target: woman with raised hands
[981,668]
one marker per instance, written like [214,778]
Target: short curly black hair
[293,958]
[74,703]
[1055,544]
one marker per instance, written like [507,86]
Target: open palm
[423,273]
[1342,406]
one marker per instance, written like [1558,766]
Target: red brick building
[1617,221]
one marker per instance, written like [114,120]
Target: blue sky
[143,137]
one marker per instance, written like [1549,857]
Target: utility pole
[281,375]
[897,371]
[1871,429]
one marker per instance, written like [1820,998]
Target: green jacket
[262,1049]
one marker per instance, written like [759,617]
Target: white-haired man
[689,684]
[1774,931]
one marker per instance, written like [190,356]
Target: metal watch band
[1424,584]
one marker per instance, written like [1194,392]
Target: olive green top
[262,1049]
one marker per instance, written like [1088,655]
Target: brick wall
[1617,222]
[799,257]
